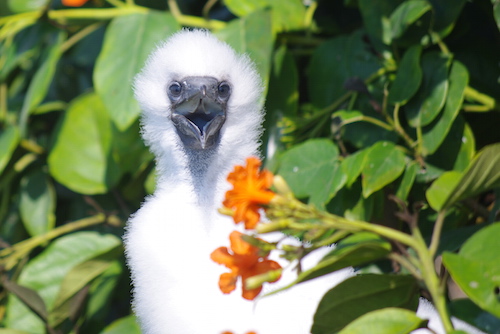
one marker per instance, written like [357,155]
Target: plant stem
[488,103]
[436,233]
[368,119]
[11,255]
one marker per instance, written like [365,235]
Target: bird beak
[198,112]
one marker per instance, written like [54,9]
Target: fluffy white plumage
[169,240]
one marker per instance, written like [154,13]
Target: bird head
[197,93]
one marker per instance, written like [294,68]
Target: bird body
[201,116]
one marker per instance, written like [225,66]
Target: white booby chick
[201,116]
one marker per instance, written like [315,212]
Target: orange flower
[244,260]
[74,3]
[250,191]
[226,332]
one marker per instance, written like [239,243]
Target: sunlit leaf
[362,294]
[252,35]
[125,325]
[312,169]
[81,157]
[128,41]
[80,276]
[441,189]
[476,268]
[9,138]
[46,272]
[385,321]
[20,6]
[37,203]
[483,174]
[39,85]
[384,163]
[406,183]
[353,165]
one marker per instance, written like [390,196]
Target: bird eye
[224,90]
[175,89]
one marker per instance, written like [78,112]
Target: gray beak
[198,110]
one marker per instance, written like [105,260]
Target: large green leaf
[81,157]
[46,272]
[406,183]
[252,35]
[446,12]
[37,203]
[383,164]
[361,294]
[441,189]
[39,85]
[426,104]
[476,269]
[128,42]
[126,325]
[335,61]
[77,279]
[434,133]
[408,78]
[405,15]
[355,250]
[385,321]
[312,169]
[9,138]
[286,14]
[19,6]
[483,174]
[353,165]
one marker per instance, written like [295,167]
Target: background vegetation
[376,111]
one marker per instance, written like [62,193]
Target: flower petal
[227,282]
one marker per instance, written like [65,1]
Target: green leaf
[408,77]
[466,310]
[405,15]
[483,174]
[335,61]
[385,321]
[476,269]
[496,12]
[9,138]
[441,189]
[355,250]
[37,203]
[77,279]
[361,294]
[446,12]
[286,14]
[46,271]
[29,297]
[81,157]
[407,181]
[384,163]
[374,13]
[426,104]
[128,42]
[39,85]
[20,6]
[435,133]
[252,35]
[312,169]
[125,325]
[353,165]
[101,293]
